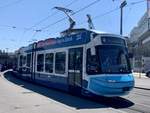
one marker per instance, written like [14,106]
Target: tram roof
[78,38]
[106,33]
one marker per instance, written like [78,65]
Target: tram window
[92,65]
[24,60]
[40,62]
[49,62]
[60,60]
[28,60]
[20,60]
[78,60]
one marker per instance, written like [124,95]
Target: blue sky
[16,16]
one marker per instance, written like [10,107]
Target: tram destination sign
[113,40]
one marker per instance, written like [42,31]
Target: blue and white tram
[86,62]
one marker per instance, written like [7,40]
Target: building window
[49,62]
[60,60]
[28,60]
[40,62]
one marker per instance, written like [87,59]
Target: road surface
[18,96]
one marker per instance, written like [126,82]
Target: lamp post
[123,4]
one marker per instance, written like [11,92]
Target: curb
[142,88]
[142,77]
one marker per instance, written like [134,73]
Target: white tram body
[84,62]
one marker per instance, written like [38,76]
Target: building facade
[7,60]
[139,44]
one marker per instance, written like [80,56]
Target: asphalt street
[18,96]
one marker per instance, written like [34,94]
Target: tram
[84,62]
[80,61]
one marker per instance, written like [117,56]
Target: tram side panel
[54,78]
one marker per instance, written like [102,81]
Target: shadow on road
[73,101]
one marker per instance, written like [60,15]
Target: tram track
[142,95]
[138,108]
[141,101]
[127,104]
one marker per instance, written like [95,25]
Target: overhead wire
[24,28]
[113,10]
[44,19]
[10,4]
[14,27]
[81,9]
[7,5]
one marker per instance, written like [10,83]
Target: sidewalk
[141,81]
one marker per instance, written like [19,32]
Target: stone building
[139,44]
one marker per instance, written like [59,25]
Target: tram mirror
[93,51]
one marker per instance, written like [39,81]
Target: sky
[20,19]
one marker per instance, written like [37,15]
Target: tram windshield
[109,59]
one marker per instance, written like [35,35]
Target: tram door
[75,70]
[32,66]
[29,66]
